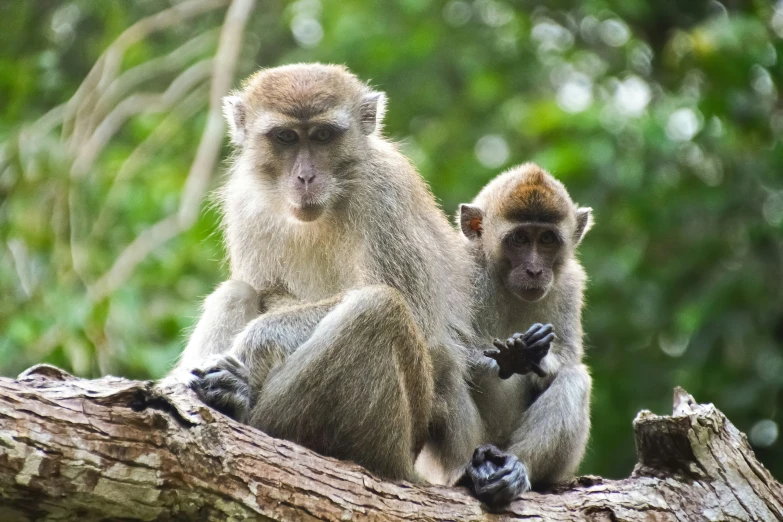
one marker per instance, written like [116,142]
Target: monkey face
[531,253]
[306,161]
[303,130]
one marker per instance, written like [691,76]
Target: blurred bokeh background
[664,116]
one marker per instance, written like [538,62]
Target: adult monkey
[523,229]
[341,323]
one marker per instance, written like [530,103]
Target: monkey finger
[489,453]
[533,329]
[520,344]
[512,471]
[539,334]
[499,473]
[222,380]
[495,454]
[236,367]
[231,404]
[506,463]
[492,354]
[232,362]
[492,492]
[479,455]
[542,344]
[500,345]
[511,486]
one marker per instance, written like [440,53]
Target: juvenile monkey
[533,392]
[340,326]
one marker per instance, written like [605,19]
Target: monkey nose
[534,273]
[305,179]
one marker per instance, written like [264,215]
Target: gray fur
[545,421]
[359,356]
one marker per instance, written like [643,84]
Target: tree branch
[78,111]
[203,164]
[111,447]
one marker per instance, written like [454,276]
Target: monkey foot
[495,477]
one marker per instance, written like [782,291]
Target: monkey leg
[226,311]
[552,434]
[456,428]
[360,388]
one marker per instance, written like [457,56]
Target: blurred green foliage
[665,117]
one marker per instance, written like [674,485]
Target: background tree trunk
[112,448]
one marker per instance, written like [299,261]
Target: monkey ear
[235,114]
[471,221]
[371,112]
[584,221]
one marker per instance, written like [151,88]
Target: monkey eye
[518,237]
[287,136]
[547,238]
[322,135]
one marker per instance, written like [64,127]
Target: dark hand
[522,353]
[495,477]
[223,384]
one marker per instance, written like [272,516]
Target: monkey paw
[222,383]
[495,477]
[522,353]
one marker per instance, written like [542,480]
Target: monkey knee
[383,310]
[385,300]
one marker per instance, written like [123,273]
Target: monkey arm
[563,353]
[522,353]
[227,380]
[226,311]
[266,341]
[547,444]
[287,325]
[552,433]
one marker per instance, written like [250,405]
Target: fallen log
[113,448]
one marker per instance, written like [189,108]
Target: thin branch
[77,227]
[146,150]
[209,148]
[176,60]
[79,108]
[137,104]
[203,164]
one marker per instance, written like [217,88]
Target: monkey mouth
[307,211]
[530,294]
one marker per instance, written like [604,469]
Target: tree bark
[111,448]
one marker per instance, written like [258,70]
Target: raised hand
[522,353]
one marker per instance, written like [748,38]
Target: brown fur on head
[301,128]
[527,226]
[536,196]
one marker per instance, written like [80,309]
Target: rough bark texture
[111,449]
